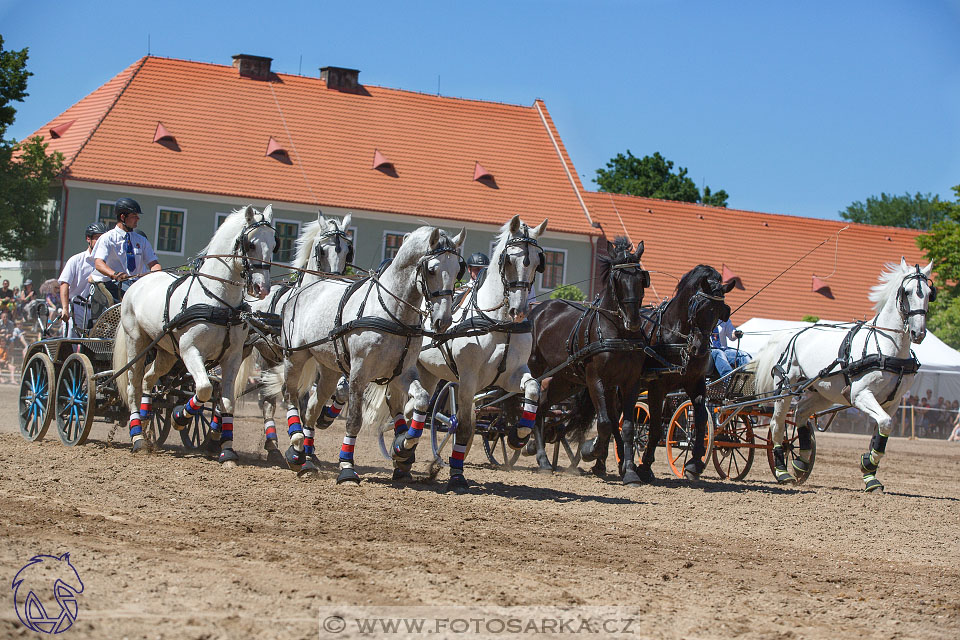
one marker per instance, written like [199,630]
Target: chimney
[340,78]
[256,67]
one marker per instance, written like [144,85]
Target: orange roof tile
[223,121]
[757,247]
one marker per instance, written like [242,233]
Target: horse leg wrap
[308,441]
[346,451]
[227,454]
[216,424]
[270,432]
[399,424]
[780,466]
[146,408]
[415,430]
[183,414]
[136,431]
[527,419]
[330,413]
[456,459]
[294,428]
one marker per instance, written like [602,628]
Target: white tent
[939,363]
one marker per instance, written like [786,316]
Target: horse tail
[244,373]
[273,380]
[119,362]
[376,411]
[763,365]
[581,416]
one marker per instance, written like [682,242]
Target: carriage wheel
[385,438]
[161,424]
[733,448]
[36,396]
[791,449]
[572,450]
[641,433]
[195,433]
[76,398]
[495,445]
[680,437]
[443,424]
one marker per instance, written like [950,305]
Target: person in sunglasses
[121,254]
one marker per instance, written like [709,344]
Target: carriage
[72,380]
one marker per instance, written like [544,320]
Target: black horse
[600,342]
[679,331]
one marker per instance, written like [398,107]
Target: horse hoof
[784,477]
[400,452]
[690,475]
[800,467]
[228,458]
[646,474]
[271,445]
[180,417]
[587,453]
[402,475]
[458,485]
[139,446]
[872,485]
[544,468]
[348,477]
[531,448]
[294,458]
[308,470]
[599,470]
[514,441]
[275,457]
[631,477]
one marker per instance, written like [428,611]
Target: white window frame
[563,275]
[156,232]
[216,217]
[293,253]
[383,241]
[96,212]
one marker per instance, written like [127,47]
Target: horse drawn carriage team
[381,345]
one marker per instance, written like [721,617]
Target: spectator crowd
[14,325]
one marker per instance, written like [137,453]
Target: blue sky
[797,108]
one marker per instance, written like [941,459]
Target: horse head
[256,242]
[704,290]
[333,248]
[910,298]
[438,271]
[624,279]
[520,260]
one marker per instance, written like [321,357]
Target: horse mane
[304,245]
[691,279]
[888,285]
[230,228]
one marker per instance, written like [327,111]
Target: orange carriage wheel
[641,432]
[733,446]
[680,435]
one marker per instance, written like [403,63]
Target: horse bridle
[617,270]
[422,272]
[526,242]
[902,293]
[336,234]
[241,249]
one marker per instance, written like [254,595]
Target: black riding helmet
[95,229]
[478,260]
[125,206]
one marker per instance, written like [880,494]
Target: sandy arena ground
[170,545]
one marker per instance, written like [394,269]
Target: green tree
[653,177]
[912,212]
[25,168]
[568,292]
[942,246]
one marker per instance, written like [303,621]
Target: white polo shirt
[75,273]
[110,249]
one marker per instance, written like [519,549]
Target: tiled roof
[223,123]
[757,247]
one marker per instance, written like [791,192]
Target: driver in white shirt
[75,284]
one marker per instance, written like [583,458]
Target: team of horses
[380,344]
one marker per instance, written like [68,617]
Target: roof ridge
[759,213]
[113,103]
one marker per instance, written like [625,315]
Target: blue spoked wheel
[36,397]
[76,396]
[195,433]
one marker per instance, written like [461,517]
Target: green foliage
[25,169]
[653,177]
[810,318]
[942,246]
[912,212]
[568,292]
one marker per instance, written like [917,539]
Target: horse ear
[903,263]
[268,213]
[639,251]
[927,270]
[460,237]
[249,212]
[727,288]
[611,250]
[65,556]
[345,224]
[434,238]
[514,224]
[320,219]
[540,228]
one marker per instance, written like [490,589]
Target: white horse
[195,317]
[322,248]
[869,367]
[495,354]
[369,330]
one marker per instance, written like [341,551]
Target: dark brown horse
[606,335]
[679,331]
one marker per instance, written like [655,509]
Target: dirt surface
[170,545]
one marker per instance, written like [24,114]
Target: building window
[553,269]
[105,215]
[170,224]
[287,233]
[391,244]
[221,217]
